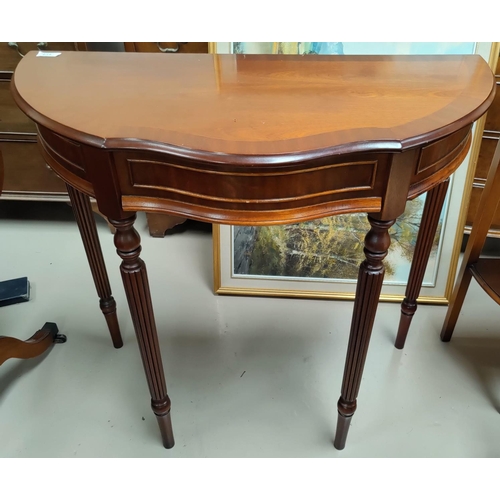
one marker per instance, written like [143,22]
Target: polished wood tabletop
[247,105]
[240,139]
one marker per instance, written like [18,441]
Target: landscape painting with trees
[329,248]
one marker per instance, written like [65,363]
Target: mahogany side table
[249,140]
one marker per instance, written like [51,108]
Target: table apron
[256,194]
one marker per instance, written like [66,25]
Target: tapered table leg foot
[407,312]
[167,434]
[343,423]
[108,308]
[425,239]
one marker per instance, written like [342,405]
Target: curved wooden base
[33,347]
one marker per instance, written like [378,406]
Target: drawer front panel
[272,188]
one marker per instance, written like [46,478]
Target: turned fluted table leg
[370,278]
[135,280]
[428,226]
[86,224]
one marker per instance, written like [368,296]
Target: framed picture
[321,258]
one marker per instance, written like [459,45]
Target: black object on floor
[14,291]
[59,338]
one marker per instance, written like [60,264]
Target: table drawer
[252,188]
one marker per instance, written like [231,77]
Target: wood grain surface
[250,105]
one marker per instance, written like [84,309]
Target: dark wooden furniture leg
[370,278]
[459,292]
[86,224]
[428,226]
[135,281]
[33,347]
